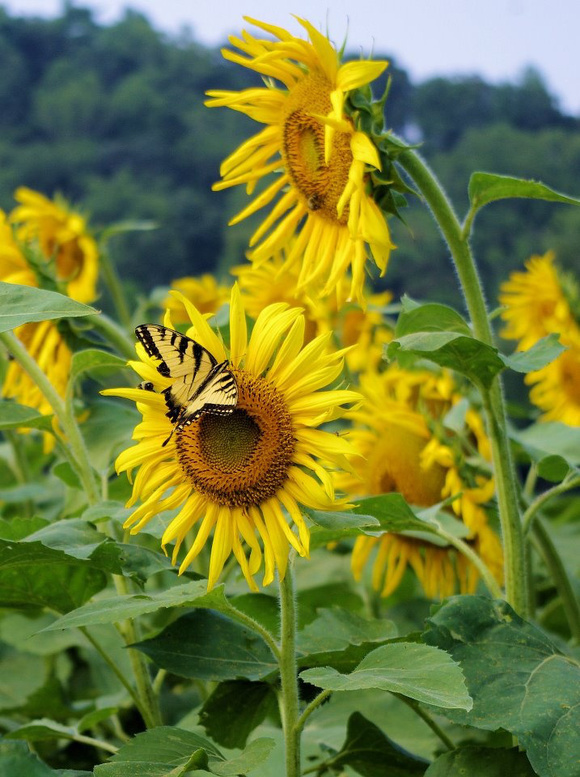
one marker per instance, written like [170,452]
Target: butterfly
[200,384]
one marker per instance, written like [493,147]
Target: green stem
[98,743]
[115,286]
[478,563]
[457,240]
[314,704]
[130,633]
[76,449]
[566,485]
[424,715]
[545,546]
[115,334]
[254,625]
[288,672]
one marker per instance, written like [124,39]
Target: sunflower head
[404,446]
[242,477]
[324,191]
[62,237]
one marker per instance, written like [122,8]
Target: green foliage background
[113,118]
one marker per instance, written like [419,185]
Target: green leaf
[21,675]
[487,187]
[119,608]
[553,468]
[336,628]
[107,430]
[395,515]
[431,317]
[541,353]
[14,416]
[483,762]
[504,658]
[339,521]
[230,723]
[48,583]
[255,754]
[372,754]
[205,645]
[94,360]
[408,668]
[23,304]
[16,760]
[153,753]
[476,360]
[552,438]
[43,729]
[261,607]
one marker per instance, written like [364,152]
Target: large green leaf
[407,668]
[16,760]
[372,754]
[520,681]
[394,514]
[23,304]
[481,761]
[229,722]
[488,187]
[551,438]
[464,354]
[21,675]
[168,751]
[93,360]
[119,608]
[60,586]
[336,628]
[205,645]
[541,353]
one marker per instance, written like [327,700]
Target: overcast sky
[495,38]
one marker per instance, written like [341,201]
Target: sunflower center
[570,375]
[240,459]
[319,184]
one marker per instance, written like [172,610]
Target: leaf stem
[115,334]
[109,273]
[98,743]
[457,240]
[254,625]
[530,515]
[75,448]
[545,546]
[424,715]
[463,547]
[314,704]
[288,672]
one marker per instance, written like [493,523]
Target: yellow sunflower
[62,237]
[243,476]
[398,433]
[321,156]
[537,303]
[534,301]
[203,291]
[42,340]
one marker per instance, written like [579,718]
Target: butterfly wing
[200,384]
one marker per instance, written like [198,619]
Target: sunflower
[203,291]
[61,235]
[404,447]
[42,340]
[540,301]
[243,476]
[322,190]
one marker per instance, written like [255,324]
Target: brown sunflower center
[241,459]
[320,184]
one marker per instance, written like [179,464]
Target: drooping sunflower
[322,189]
[62,237]
[537,302]
[243,476]
[404,447]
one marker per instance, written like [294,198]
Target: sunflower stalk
[75,449]
[494,405]
[288,671]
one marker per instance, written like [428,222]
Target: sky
[496,39]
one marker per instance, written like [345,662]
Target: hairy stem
[288,672]
[444,215]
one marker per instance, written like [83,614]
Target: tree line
[112,116]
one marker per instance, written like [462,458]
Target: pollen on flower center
[241,459]
[320,184]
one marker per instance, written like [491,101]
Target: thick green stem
[288,672]
[75,447]
[514,546]
[545,546]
